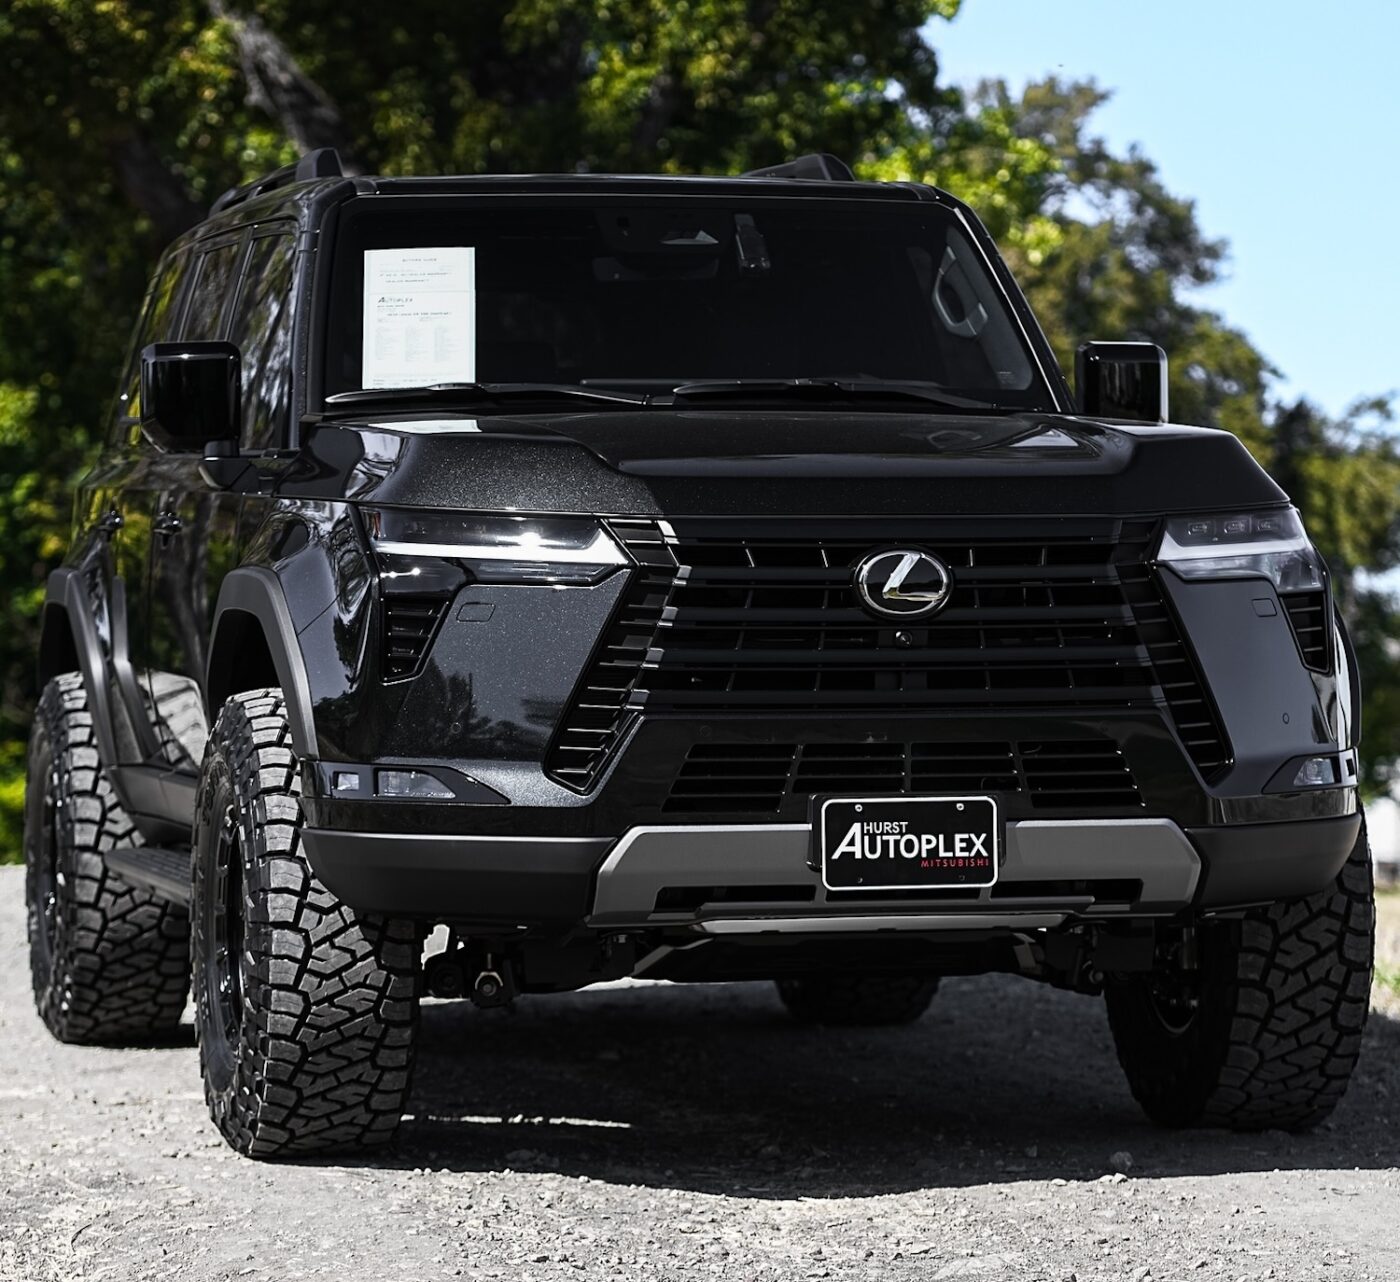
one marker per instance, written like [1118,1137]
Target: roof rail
[324,162]
[821,165]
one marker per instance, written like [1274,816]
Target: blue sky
[1281,120]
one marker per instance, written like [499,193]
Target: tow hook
[494,986]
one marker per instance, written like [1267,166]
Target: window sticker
[420,317]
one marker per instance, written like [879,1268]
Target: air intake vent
[1190,705]
[765,779]
[605,701]
[410,623]
[1307,612]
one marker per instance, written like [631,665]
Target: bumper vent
[601,710]
[1192,711]
[410,623]
[764,779]
[1307,612]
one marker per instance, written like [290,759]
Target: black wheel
[1266,1032]
[110,963]
[857,1000]
[305,1011]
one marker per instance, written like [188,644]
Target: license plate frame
[930,820]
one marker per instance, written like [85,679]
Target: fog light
[1316,772]
[413,783]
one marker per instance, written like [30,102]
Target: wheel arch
[68,642]
[253,643]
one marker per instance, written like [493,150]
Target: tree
[120,121]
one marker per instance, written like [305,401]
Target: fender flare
[1353,673]
[257,591]
[65,590]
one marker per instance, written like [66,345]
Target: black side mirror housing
[1122,380]
[191,394]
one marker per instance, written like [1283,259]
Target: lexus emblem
[903,583]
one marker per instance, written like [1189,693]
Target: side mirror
[191,394]
[1122,380]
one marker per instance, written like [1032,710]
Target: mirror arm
[225,471]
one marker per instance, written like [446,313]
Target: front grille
[409,625]
[763,779]
[752,618]
[1307,612]
[773,624]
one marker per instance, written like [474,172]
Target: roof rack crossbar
[324,162]
[821,165]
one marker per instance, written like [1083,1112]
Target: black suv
[688,578]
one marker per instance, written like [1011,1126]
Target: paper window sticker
[419,316]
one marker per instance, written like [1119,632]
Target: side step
[163,872]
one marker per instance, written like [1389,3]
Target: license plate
[908,843]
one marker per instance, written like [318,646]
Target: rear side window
[157,325]
[213,283]
[262,328]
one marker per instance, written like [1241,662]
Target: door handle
[108,523]
[167,525]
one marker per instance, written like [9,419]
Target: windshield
[646,296]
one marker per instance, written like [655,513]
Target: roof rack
[324,162]
[821,165]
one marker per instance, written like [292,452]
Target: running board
[165,873]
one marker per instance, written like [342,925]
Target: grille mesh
[747,778]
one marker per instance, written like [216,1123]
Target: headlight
[1268,545]
[560,550]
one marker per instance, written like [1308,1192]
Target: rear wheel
[109,962]
[856,1000]
[1265,1032]
[306,1011]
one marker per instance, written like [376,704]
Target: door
[113,519]
[197,527]
[189,533]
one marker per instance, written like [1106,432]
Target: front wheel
[1266,1031]
[305,1010]
[109,961]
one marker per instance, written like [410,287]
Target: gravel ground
[658,1132]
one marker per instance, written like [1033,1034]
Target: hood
[688,462]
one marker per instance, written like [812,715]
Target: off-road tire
[109,962]
[1279,1009]
[306,1011]
[857,1000]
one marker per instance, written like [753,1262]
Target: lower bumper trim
[932,923]
[506,880]
[651,864]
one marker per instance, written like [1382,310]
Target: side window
[213,281]
[157,325]
[262,328]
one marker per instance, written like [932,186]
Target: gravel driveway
[657,1132]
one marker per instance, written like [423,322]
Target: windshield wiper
[486,394]
[830,389]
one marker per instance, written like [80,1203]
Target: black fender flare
[1353,675]
[65,592]
[257,591]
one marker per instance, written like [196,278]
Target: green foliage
[121,119]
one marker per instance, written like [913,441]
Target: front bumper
[756,879]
